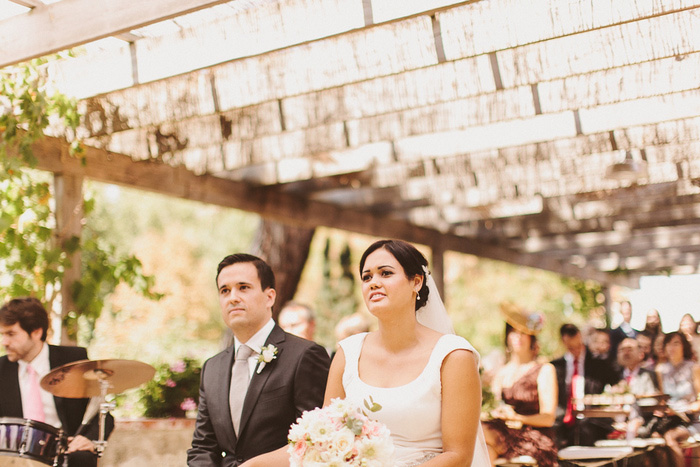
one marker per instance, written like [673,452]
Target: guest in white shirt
[638,380]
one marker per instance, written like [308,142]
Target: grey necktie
[240,377]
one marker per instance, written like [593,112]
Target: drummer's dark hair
[28,312]
[265,274]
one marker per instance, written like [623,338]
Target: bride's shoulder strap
[352,346]
[451,342]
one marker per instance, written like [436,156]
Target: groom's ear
[271,296]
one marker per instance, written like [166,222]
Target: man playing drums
[23,326]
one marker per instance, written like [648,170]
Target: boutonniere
[267,354]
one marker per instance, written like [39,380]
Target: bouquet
[339,434]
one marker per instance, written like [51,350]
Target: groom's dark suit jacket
[292,383]
[70,411]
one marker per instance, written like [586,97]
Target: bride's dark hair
[411,260]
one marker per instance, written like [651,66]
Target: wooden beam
[386,99]
[29,3]
[69,217]
[489,124]
[249,38]
[127,36]
[650,238]
[510,231]
[593,255]
[688,262]
[69,23]
[101,165]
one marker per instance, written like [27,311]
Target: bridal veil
[434,315]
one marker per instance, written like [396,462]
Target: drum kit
[29,443]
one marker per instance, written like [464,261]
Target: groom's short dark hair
[265,274]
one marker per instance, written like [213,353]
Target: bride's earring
[417,296]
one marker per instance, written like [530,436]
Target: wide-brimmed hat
[525,321]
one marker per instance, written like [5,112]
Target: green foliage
[31,259]
[477,286]
[26,111]
[589,299]
[173,391]
[336,297]
[28,253]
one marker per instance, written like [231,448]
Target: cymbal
[82,378]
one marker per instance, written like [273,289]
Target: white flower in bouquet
[339,435]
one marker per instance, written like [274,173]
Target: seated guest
[657,350]
[679,377]
[24,323]
[522,425]
[645,341]
[349,325]
[297,319]
[653,324]
[578,364]
[638,380]
[600,344]
[689,327]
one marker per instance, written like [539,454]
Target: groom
[253,391]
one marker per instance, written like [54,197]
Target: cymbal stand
[105,407]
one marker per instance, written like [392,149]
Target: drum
[29,443]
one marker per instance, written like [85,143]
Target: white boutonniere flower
[267,354]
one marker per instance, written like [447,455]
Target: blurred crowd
[610,384]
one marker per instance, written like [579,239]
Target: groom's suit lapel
[258,380]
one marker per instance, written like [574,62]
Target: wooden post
[285,248]
[69,216]
[437,269]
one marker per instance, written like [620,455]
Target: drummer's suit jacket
[70,411]
[287,386]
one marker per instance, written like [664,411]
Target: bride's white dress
[412,411]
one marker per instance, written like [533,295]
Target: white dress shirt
[627,329]
[569,357]
[42,367]
[256,343]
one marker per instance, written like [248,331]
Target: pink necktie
[35,408]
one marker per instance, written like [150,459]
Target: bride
[423,376]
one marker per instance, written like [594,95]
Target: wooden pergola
[561,135]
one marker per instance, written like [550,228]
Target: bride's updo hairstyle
[411,260]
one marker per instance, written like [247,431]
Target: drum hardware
[30,443]
[97,378]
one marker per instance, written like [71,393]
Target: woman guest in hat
[522,425]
